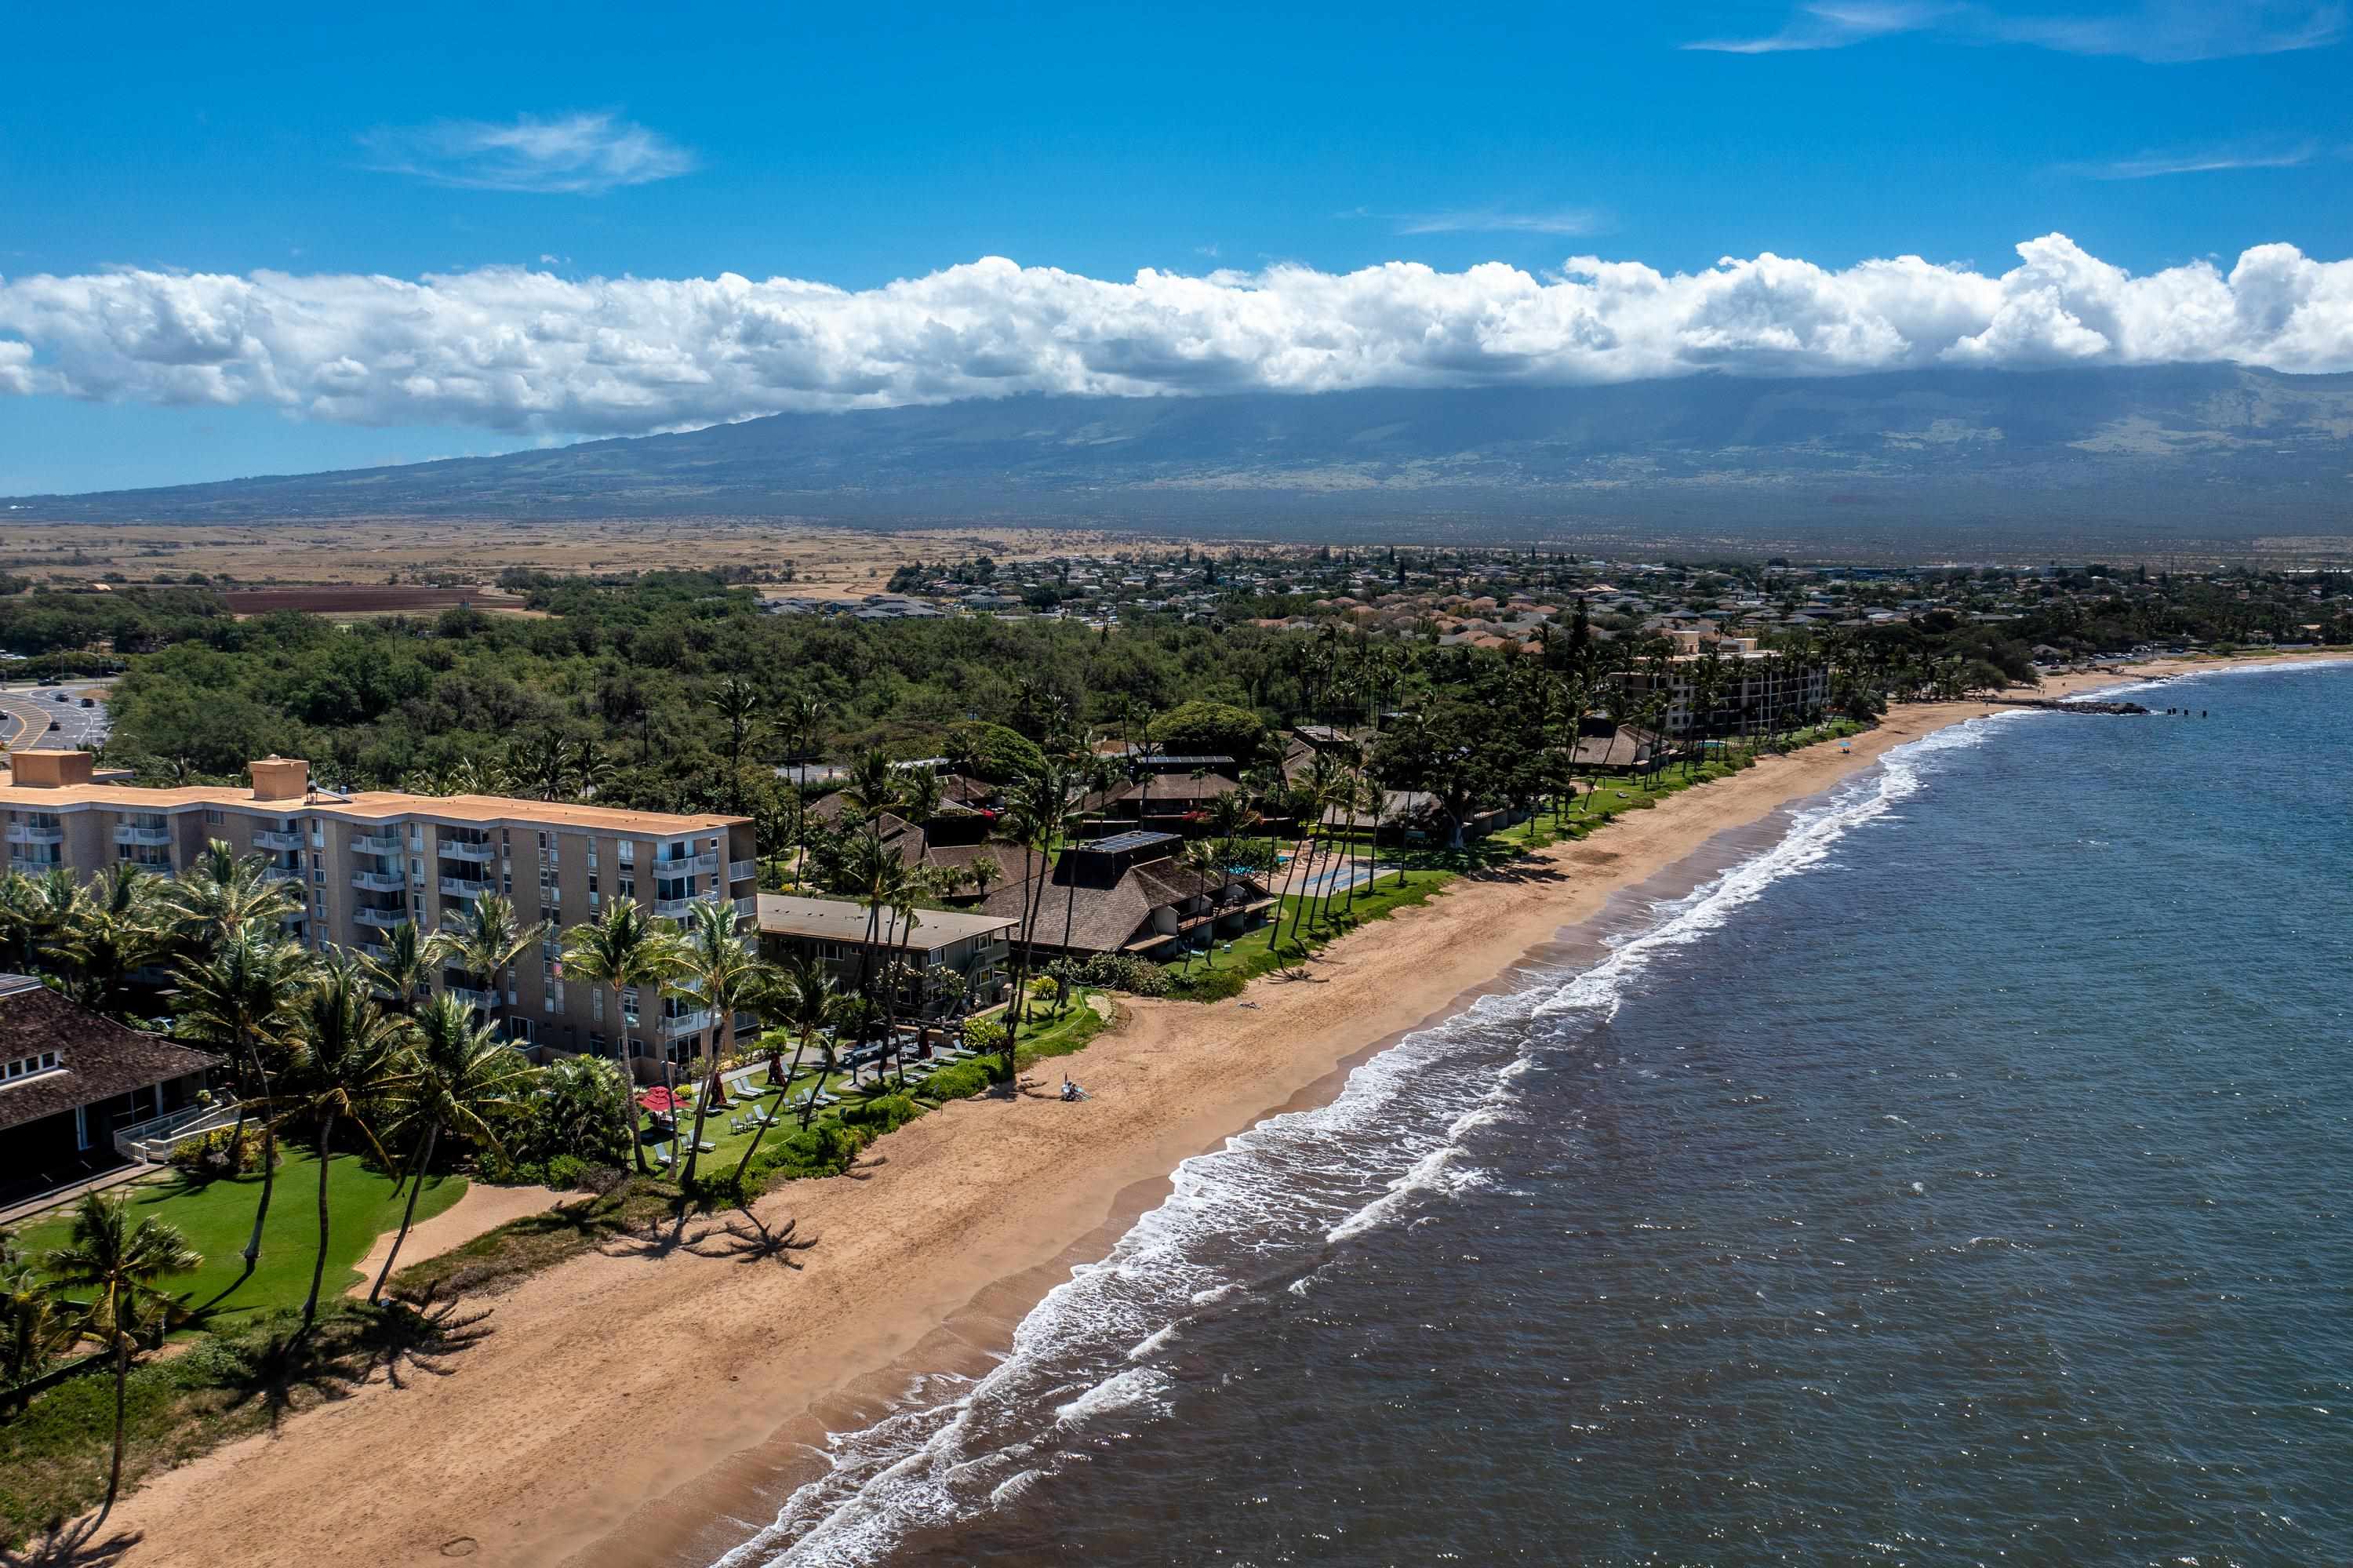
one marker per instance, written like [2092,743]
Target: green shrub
[824,1148]
[984,1035]
[881,1113]
[1212,985]
[961,1080]
[209,1154]
[1116,971]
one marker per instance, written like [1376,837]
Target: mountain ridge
[2166,451]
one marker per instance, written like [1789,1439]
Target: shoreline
[628,1408]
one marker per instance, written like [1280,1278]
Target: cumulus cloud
[520,350]
[570,155]
[2159,32]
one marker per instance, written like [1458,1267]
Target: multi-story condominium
[371,862]
[1761,685]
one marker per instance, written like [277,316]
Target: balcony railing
[281,873]
[23,833]
[465,887]
[467,849]
[277,839]
[380,881]
[383,920]
[127,835]
[683,908]
[376,843]
[484,1000]
[686,1023]
[687,865]
[743,870]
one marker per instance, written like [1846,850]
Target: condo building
[1762,686]
[372,862]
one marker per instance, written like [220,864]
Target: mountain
[2172,453]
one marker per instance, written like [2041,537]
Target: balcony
[685,866]
[693,1022]
[277,839]
[380,881]
[281,874]
[377,844]
[465,887]
[484,1000]
[479,850]
[743,870]
[127,835]
[21,833]
[382,919]
[683,908]
[375,950]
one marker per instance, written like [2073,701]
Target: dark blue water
[1959,1178]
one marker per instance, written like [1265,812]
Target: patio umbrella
[661,1101]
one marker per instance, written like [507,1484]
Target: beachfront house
[77,1090]
[1128,893]
[951,960]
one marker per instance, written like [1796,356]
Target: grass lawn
[217,1216]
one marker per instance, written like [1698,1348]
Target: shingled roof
[100,1058]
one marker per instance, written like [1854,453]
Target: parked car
[90,702]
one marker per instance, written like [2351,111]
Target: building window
[24,1066]
[626,886]
[214,819]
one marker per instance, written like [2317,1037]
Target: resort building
[1761,686]
[371,862]
[955,962]
[76,1086]
[1127,893]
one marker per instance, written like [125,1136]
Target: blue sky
[853,147]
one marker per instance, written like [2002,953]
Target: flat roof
[839,920]
[365,806]
[1120,843]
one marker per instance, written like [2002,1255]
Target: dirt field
[358,598]
[826,562]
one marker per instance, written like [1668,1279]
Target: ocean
[1951,1170]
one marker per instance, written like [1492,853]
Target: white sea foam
[1397,1141]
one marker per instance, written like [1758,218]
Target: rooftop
[100,1058]
[839,920]
[365,805]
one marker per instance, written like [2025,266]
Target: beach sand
[651,1408]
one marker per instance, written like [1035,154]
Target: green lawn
[217,1216]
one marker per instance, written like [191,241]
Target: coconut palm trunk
[408,1210]
[319,1263]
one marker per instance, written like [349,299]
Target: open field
[826,562]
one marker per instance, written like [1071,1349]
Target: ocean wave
[1258,1215]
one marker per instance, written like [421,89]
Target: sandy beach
[626,1408]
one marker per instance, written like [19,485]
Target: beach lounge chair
[661,1157]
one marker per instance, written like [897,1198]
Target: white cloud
[523,351]
[2159,32]
[2200,160]
[571,155]
[1497,220]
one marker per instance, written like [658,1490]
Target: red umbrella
[661,1101]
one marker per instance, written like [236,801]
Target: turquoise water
[1954,1175]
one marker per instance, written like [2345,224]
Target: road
[26,711]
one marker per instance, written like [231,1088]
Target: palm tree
[351,1058]
[983,870]
[921,795]
[806,1004]
[802,714]
[738,704]
[485,944]
[242,997]
[223,892]
[624,948]
[120,1265]
[114,929]
[719,974]
[457,1077]
[402,970]
[1035,816]
[32,1328]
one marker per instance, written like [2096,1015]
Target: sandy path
[479,1209]
[596,1422]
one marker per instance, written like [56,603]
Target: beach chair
[661,1156]
[707,1147]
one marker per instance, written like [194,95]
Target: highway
[27,710]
